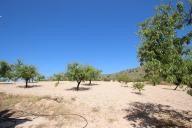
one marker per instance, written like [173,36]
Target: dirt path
[109,105]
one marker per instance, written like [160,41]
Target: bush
[139,79]
[139,86]
[123,78]
[106,78]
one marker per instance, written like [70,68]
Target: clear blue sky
[53,33]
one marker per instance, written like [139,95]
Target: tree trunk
[89,82]
[154,83]
[177,83]
[26,85]
[176,87]
[78,83]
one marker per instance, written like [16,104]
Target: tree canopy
[124,78]
[162,51]
[76,72]
[92,74]
[5,69]
[26,72]
[59,77]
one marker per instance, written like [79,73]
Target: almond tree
[26,72]
[40,77]
[58,77]
[152,69]
[5,69]
[92,74]
[76,72]
[161,44]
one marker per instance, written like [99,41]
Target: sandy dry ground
[109,105]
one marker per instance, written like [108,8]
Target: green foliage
[11,73]
[140,79]
[40,77]
[26,72]
[59,77]
[152,69]
[123,78]
[5,69]
[106,78]
[134,74]
[15,74]
[139,86]
[76,72]
[162,52]
[188,77]
[8,71]
[92,74]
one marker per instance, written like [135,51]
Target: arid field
[101,105]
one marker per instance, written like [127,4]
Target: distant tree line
[75,72]
[19,70]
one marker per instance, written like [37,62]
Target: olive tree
[76,72]
[92,74]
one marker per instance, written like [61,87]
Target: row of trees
[75,72]
[19,70]
[165,54]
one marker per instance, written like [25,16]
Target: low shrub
[139,86]
[123,78]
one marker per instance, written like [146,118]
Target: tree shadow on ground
[90,84]
[29,86]
[144,115]
[173,89]
[125,86]
[7,120]
[6,83]
[137,93]
[80,89]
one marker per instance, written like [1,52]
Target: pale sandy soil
[109,105]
